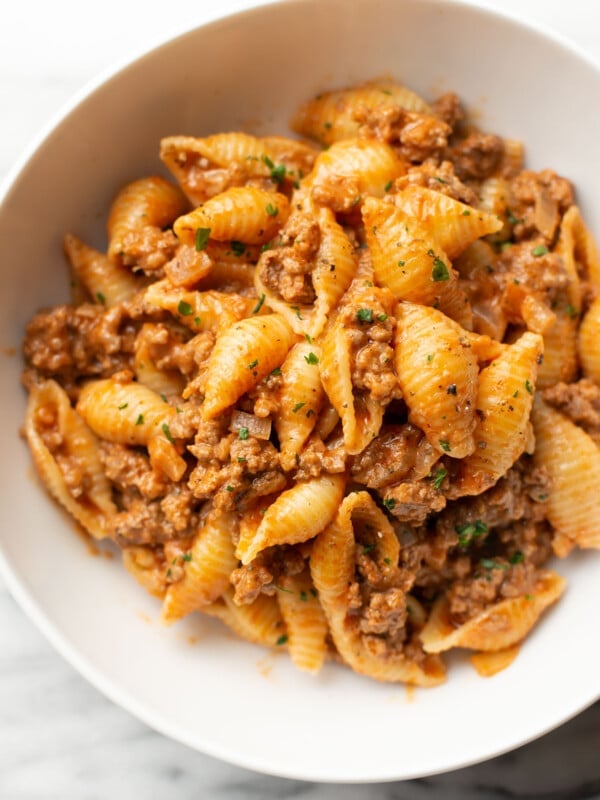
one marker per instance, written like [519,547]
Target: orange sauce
[488,664]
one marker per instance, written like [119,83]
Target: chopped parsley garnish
[272,210]
[163,397]
[572,311]
[276,371]
[401,263]
[311,358]
[445,445]
[489,563]
[282,639]
[297,310]
[327,125]
[303,596]
[253,364]
[140,419]
[368,547]
[243,433]
[297,407]
[310,412]
[466,213]
[540,250]
[186,557]
[529,387]
[382,317]
[511,217]
[229,488]
[259,305]
[101,298]
[516,393]
[122,406]
[387,560]
[278,173]
[185,309]
[167,432]
[356,200]
[241,460]
[517,557]
[438,179]
[202,237]
[388,186]
[439,271]
[197,320]
[470,531]
[389,503]
[266,246]
[430,358]
[238,248]
[528,597]
[438,478]
[364,315]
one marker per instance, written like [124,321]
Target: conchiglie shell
[259,622]
[361,415]
[560,352]
[453,224]
[305,622]
[107,282]
[230,276]
[206,574]
[146,566]
[330,117]
[300,401]
[572,461]
[145,202]
[199,311]
[297,515]
[588,342]
[405,256]
[332,567]
[370,164]
[125,413]
[499,626]
[95,504]
[495,198]
[162,382]
[488,664]
[438,373]
[243,355]
[242,213]
[504,401]
[297,157]
[566,248]
[576,236]
[335,266]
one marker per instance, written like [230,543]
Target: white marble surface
[59,738]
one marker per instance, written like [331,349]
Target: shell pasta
[341,394]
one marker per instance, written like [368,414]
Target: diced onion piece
[257,427]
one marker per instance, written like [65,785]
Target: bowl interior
[195,682]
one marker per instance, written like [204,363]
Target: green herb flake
[253,364]
[382,317]
[368,547]
[445,445]
[241,460]
[297,310]
[511,217]
[540,250]
[238,248]
[438,478]
[167,432]
[272,210]
[303,596]
[243,433]
[439,271]
[516,393]
[389,503]
[517,557]
[438,179]
[297,407]
[276,372]
[259,305]
[388,186]
[430,358]
[202,237]
[229,488]
[100,297]
[387,561]
[364,315]
[282,639]
[470,531]
[197,321]
[529,387]
[308,338]
[327,125]
[163,397]
[186,557]
[529,597]
[122,406]
[278,173]
[489,564]
[266,246]
[313,592]
[466,213]
[185,309]
[311,358]
[572,311]
[401,263]
[140,419]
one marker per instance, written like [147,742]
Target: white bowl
[220,695]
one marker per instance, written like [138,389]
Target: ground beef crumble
[580,402]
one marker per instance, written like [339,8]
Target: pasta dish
[340,392]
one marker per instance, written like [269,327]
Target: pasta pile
[342,395]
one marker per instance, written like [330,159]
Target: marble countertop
[59,737]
